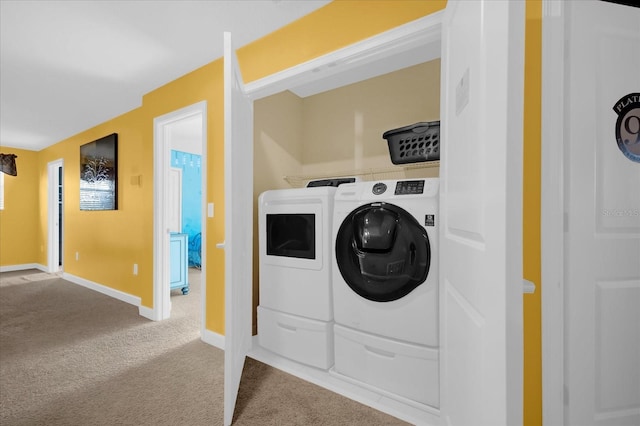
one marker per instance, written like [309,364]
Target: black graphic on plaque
[628,126]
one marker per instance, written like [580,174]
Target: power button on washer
[379,188]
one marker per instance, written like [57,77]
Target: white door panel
[175,199]
[481,236]
[238,211]
[602,205]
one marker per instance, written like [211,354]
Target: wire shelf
[383,173]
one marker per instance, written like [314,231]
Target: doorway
[480,214]
[55,246]
[179,142]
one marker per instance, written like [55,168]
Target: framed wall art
[99,174]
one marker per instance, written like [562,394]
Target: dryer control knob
[379,188]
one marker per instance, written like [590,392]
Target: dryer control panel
[406,187]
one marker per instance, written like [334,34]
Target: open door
[55,219]
[238,228]
[481,211]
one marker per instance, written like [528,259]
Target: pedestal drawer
[300,339]
[407,370]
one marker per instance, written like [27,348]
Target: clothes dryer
[385,285]
[295,314]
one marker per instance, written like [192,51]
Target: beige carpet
[72,356]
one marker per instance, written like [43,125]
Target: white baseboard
[148,313]
[116,294]
[213,338]
[23,267]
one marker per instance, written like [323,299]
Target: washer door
[382,252]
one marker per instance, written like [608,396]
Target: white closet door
[481,211]
[602,211]
[238,212]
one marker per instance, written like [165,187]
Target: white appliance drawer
[300,339]
[407,370]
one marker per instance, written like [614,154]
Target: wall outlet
[135,269]
[210,210]
[77,256]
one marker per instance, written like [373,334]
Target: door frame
[161,165]
[355,58]
[552,224]
[425,33]
[422,32]
[55,232]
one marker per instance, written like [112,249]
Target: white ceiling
[66,66]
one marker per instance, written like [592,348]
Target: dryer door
[382,252]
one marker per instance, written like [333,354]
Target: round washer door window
[383,252]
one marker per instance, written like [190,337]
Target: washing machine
[295,313]
[385,286]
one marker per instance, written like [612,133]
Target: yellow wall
[19,243]
[203,84]
[531,214]
[108,243]
[339,24]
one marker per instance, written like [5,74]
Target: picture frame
[99,174]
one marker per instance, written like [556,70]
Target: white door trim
[53,240]
[552,211]
[161,156]
[423,33]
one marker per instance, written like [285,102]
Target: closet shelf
[395,172]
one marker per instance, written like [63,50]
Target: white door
[238,219]
[602,207]
[175,199]
[481,210]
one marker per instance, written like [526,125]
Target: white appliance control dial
[379,188]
